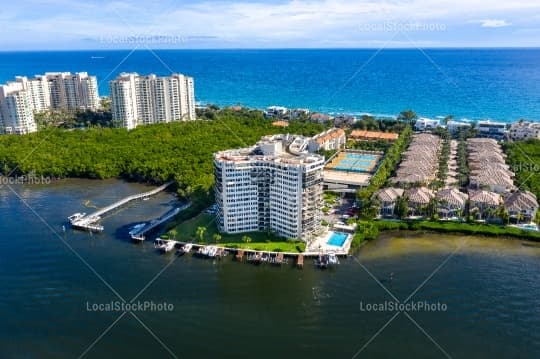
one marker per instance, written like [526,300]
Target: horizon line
[286,48]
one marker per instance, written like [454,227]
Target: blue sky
[98,24]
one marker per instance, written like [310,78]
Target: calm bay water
[491,289]
[501,84]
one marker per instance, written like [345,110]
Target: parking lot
[340,210]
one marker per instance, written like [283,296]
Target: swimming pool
[337,239]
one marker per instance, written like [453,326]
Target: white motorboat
[186,248]
[136,228]
[212,251]
[75,217]
[203,251]
[169,246]
[332,259]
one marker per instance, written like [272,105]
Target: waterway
[487,291]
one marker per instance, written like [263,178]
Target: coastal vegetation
[462,161]
[68,119]
[443,158]
[524,160]
[387,167]
[457,227]
[180,151]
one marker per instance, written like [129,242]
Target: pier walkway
[88,222]
[139,234]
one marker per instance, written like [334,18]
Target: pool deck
[320,244]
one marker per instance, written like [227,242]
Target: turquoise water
[502,84]
[337,239]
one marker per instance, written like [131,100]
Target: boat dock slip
[138,234]
[300,261]
[240,255]
[88,222]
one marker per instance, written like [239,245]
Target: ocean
[498,84]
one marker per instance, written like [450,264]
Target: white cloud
[302,22]
[494,23]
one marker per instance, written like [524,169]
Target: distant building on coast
[364,135]
[20,99]
[142,100]
[523,130]
[16,112]
[490,129]
[332,139]
[276,112]
[426,124]
[456,126]
[275,185]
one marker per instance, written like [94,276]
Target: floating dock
[276,258]
[139,234]
[89,222]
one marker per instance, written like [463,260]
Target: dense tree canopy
[156,153]
[524,160]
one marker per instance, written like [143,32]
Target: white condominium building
[332,139]
[38,89]
[72,91]
[525,130]
[16,112]
[141,100]
[490,129]
[24,96]
[275,185]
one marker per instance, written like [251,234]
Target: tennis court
[356,162]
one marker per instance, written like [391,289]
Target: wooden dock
[89,222]
[263,257]
[300,261]
[239,255]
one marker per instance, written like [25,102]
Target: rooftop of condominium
[280,123]
[329,135]
[373,135]
[288,149]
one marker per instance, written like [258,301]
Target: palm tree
[519,217]
[217,237]
[401,207]
[502,213]
[246,239]
[200,232]
[407,116]
[173,232]
[432,207]
[448,118]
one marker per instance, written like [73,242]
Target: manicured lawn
[187,232]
